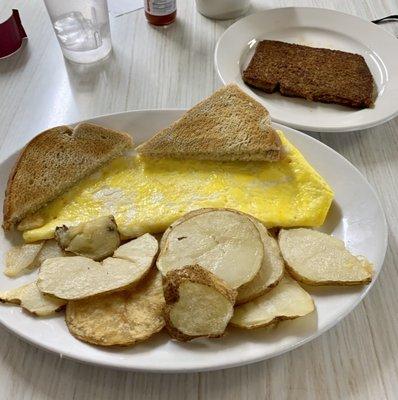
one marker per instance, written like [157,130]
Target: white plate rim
[304,127]
[244,361]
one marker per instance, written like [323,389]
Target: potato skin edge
[196,274]
[265,291]
[310,282]
[272,322]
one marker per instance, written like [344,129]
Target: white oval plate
[356,216]
[318,28]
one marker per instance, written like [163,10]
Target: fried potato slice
[21,258]
[184,218]
[32,299]
[50,249]
[198,303]
[316,258]
[270,272]
[225,242]
[288,300]
[119,319]
[73,278]
[272,267]
[95,239]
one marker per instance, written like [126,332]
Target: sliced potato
[95,239]
[272,267]
[271,270]
[20,258]
[122,318]
[184,218]
[288,300]
[32,299]
[134,251]
[50,249]
[225,242]
[198,303]
[73,278]
[316,258]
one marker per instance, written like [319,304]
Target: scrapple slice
[317,74]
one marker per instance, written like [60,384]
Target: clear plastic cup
[82,28]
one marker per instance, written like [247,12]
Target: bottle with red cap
[160,12]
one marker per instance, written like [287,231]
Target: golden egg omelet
[148,195]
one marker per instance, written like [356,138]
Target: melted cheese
[148,195]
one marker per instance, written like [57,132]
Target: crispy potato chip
[30,298]
[288,300]
[316,258]
[21,258]
[198,303]
[119,319]
[73,278]
[225,242]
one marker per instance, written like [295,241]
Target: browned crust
[126,294]
[111,345]
[9,221]
[196,274]
[317,74]
[274,321]
[92,340]
[59,309]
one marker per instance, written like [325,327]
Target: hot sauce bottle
[160,12]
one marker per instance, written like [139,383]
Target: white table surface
[173,67]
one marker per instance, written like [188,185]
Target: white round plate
[314,27]
[356,216]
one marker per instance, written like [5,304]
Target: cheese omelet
[148,195]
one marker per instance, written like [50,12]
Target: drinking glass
[82,28]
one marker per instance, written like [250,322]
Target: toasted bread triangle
[54,161]
[227,126]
